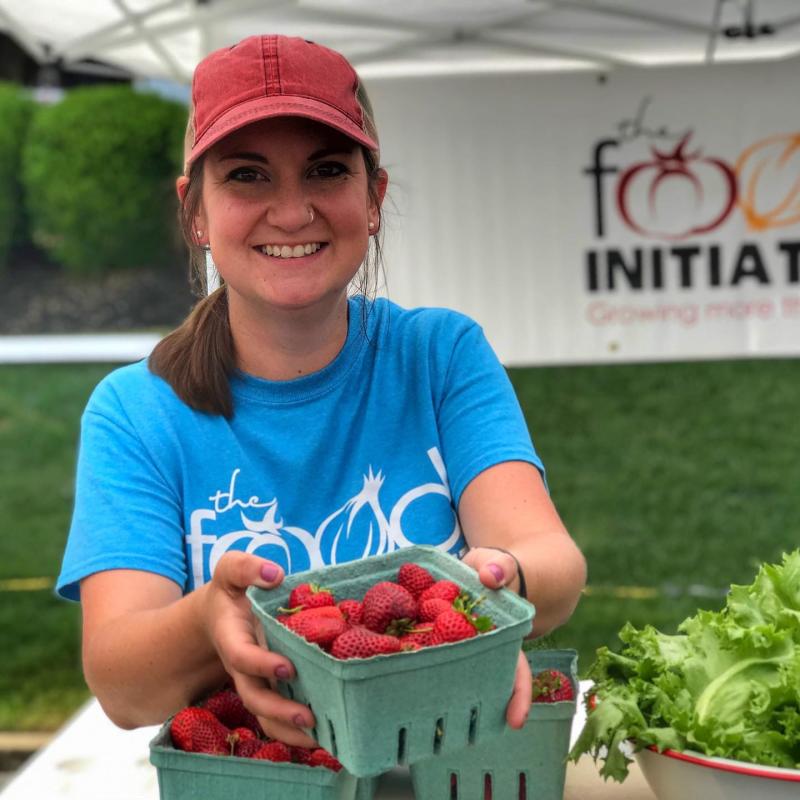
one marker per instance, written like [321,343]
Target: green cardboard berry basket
[196,776]
[525,764]
[376,713]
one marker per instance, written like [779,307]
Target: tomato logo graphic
[769,174]
[703,187]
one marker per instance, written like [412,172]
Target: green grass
[667,475]
[40,410]
[41,681]
[40,407]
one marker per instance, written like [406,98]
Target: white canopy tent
[166,38]
[531,145]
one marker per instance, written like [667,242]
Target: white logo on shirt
[335,536]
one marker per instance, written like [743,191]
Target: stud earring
[199,234]
[371,226]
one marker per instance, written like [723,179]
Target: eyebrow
[322,153]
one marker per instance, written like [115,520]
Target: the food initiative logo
[685,216]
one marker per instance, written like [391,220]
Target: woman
[285,425]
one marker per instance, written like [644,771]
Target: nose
[289,208]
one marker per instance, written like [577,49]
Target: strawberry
[388,604]
[352,610]
[247,748]
[552,686]
[416,638]
[197,730]
[180,728]
[318,625]
[361,642]
[444,590]
[321,611]
[454,626]
[431,608]
[322,758]
[332,612]
[244,734]
[273,751]
[300,755]
[187,722]
[228,708]
[415,578]
[310,595]
[213,738]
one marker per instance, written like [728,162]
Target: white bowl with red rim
[687,775]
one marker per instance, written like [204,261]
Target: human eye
[244,175]
[329,169]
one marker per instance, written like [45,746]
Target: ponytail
[197,358]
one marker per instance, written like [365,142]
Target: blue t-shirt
[368,455]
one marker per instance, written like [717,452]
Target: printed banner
[650,214]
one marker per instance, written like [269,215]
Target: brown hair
[198,358]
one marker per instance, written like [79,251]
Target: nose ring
[310,215]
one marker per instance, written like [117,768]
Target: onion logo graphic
[769,177]
[686,179]
[358,529]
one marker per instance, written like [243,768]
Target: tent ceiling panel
[166,38]
[476,56]
[140,58]
[46,23]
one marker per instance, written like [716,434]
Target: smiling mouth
[290,251]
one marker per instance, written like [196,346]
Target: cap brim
[278,106]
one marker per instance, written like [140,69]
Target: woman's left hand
[495,570]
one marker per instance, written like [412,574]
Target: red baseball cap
[276,76]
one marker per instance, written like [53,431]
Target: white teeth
[289,251]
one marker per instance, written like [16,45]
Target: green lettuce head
[727,684]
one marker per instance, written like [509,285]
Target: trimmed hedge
[16,109]
[99,173]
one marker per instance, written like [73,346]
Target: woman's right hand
[238,639]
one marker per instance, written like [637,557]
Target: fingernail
[269,572]
[282,672]
[299,721]
[497,571]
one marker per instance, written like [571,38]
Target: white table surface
[91,759]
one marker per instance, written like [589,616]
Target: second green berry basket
[525,764]
[378,712]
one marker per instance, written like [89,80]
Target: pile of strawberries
[411,612]
[222,726]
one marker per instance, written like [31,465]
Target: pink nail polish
[497,571]
[299,721]
[269,572]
